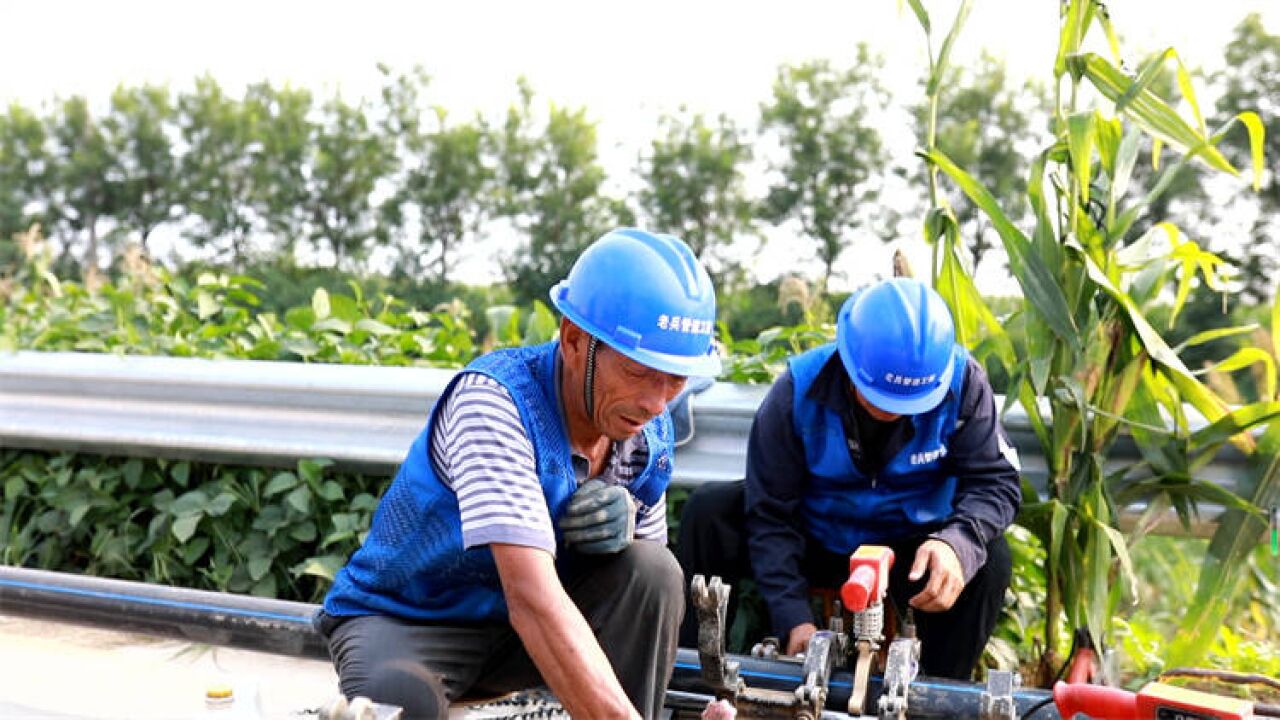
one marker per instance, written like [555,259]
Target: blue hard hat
[646,296]
[897,341]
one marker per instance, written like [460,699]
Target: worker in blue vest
[887,436]
[523,541]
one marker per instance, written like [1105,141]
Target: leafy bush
[274,533]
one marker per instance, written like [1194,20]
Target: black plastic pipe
[280,627]
[283,627]
[928,697]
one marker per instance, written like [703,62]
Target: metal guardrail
[362,417]
[274,413]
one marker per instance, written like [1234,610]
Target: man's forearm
[557,636]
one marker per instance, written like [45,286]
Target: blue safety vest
[844,507]
[413,564]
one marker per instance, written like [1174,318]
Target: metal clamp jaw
[997,700]
[900,670]
[710,600]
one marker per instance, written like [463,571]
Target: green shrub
[274,533]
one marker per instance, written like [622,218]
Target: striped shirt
[481,451]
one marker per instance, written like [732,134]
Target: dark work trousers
[632,600]
[712,541]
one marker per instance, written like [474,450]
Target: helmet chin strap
[589,379]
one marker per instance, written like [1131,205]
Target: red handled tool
[863,594]
[1155,701]
[868,577]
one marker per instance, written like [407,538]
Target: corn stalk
[1087,363]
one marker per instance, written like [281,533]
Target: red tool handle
[1096,701]
[868,577]
[857,590]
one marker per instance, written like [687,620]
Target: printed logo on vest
[924,458]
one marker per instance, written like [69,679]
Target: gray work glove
[601,519]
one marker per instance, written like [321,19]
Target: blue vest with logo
[844,507]
[413,563]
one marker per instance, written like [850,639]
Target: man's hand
[946,577]
[798,639]
[601,519]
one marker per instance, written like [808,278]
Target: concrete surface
[57,671]
[53,671]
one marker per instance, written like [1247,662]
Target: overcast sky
[626,62]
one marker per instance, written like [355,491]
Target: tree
[987,126]
[349,158]
[549,181]
[283,147]
[217,168]
[145,170]
[694,186]
[827,179]
[24,174]
[443,194]
[1251,80]
[82,195]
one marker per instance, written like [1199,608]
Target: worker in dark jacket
[887,436]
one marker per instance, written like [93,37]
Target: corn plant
[1086,362]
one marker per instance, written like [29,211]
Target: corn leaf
[1147,73]
[1104,19]
[1058,528]
[1189,93]
[1122,552]
[1107,136]
[921,15]
[1275,323]
[1045,239]
[1194,391]
[1257,135]
[1037,281]
[1127,218]
[1098,566]
[1238,534]
[967,304]
[1148,110]
[1071,35]
[1244,357]
[944,53]
[1205,336]
[1080,135]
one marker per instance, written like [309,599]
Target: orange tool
[1155,701]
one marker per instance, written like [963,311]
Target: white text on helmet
[677,323]
[924,458]
[906,381]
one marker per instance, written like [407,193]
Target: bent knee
[407,684]
[653,565]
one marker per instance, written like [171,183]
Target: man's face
[872,410]
[628,395]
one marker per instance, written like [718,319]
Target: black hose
[281,627]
